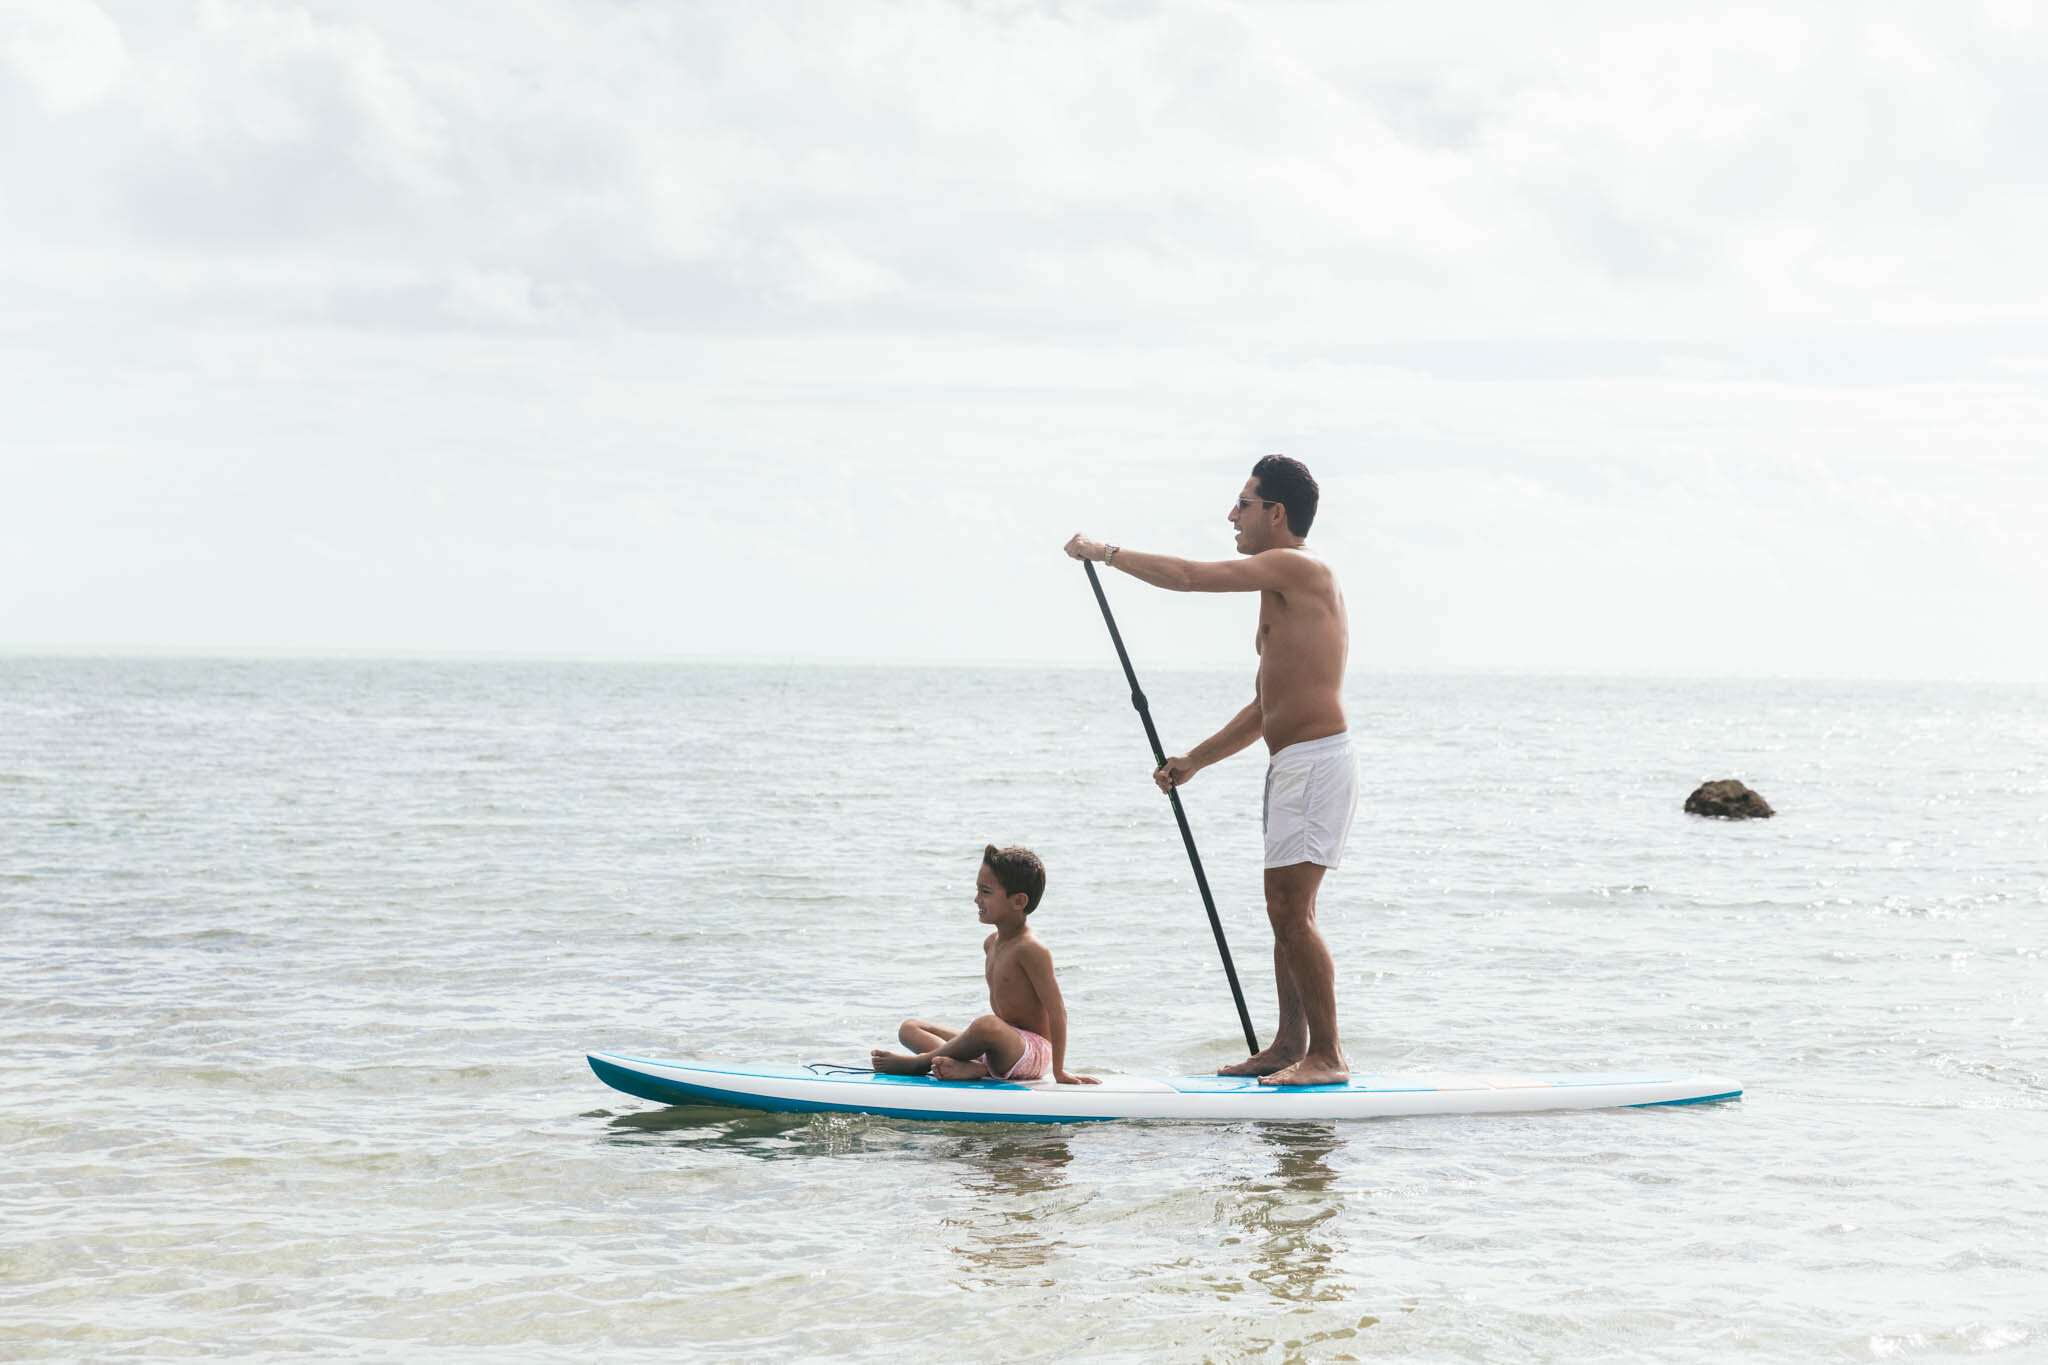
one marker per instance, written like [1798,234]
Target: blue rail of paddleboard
[1695,1099]
[663,1091]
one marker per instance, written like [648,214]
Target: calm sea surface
[300,961]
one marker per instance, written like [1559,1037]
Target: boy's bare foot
[1310,1071]
[1263,1063]
[898,1063]
[953,1069]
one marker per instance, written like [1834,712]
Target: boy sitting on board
[1025,1033]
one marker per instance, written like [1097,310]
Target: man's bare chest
[1272,614]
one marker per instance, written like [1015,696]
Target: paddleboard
[822,1088]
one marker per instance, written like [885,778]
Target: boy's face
[991,902]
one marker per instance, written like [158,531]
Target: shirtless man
[1297,707]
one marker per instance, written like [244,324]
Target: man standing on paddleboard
[1297,707]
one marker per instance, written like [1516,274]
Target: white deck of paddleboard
[820,1089]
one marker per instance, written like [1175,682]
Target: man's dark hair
[1289,483]
[1016,869]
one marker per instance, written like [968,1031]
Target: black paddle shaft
[1251,1039]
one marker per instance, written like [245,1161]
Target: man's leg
[1290,1038]
[1298,944]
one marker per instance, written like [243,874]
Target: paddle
[1251,1039]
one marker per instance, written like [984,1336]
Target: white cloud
[68,53]
[1252,171]
[432,311]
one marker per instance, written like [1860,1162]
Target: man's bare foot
[953,1069]
[1310,1071]
[1261,1064]
[898,1063]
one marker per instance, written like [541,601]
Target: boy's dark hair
[1016,869]
[1289,483]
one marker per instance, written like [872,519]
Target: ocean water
[300,961]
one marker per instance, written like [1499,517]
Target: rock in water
[1728,800]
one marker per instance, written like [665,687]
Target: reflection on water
[1003,1191]
[999,1162]
[1000,1187]
[754,1132]
[1290,1216]
[695,1123]
[1015,1180]
[1290,1220]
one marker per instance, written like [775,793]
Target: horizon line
[254,654]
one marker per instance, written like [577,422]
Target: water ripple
[302,959]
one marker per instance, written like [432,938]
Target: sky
[1621,338]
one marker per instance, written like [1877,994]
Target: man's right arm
[1277,570]
[1246,726]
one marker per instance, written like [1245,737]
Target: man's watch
[1110,553]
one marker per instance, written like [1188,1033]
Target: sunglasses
[1245,504]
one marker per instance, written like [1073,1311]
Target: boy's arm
[1279,569]
[1038,967]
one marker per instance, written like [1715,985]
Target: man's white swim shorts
[1311,795]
